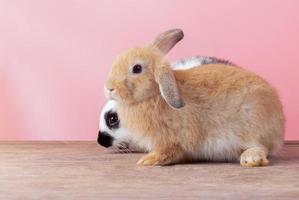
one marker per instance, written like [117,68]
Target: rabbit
[216,112]
[111,131]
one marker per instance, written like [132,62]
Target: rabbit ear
[168,87]
[166,40]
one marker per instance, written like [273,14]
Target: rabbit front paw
[157,158]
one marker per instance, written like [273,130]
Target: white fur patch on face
[110,105]
[122,137]
[117,133]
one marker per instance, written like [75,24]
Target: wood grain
[83,170]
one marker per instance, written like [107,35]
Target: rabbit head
[142,73]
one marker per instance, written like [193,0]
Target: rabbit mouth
[113,96]
[108,95]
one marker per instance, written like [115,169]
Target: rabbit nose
[104,139]
[109,92]
[111,89]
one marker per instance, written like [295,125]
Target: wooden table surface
[83,170]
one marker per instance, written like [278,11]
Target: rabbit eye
[137,69]
[112,120]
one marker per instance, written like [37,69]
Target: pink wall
[55,54]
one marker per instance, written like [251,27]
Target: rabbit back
[231,109]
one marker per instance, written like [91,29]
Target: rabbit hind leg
[254,157]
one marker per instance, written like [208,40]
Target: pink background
[55,54]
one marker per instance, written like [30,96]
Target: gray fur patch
[198,61]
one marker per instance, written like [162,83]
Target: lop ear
[168,87]
[166,40]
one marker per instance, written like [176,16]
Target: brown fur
[220,101]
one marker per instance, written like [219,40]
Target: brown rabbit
[215,112]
